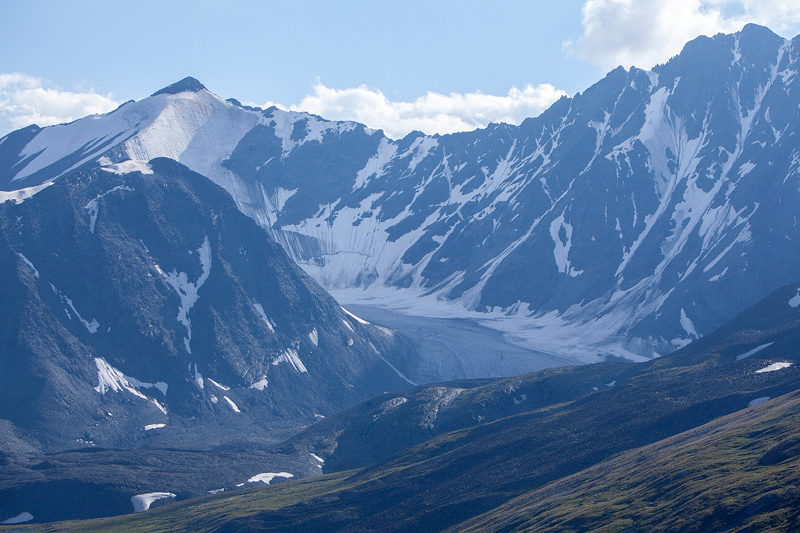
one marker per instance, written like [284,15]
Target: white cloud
[643,33]
[432,113]
[26,100]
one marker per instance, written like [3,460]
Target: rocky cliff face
[140,307]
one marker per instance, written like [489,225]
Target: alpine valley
[165,329]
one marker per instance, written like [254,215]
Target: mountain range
[625,221]
[165,330]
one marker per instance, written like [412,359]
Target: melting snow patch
[562,247]
[216,491]
[160,385]
[746,168]
[198,377]
[112,379]
[753,351]
[522,398]
[131,165]
[794,302]
[160,407]
[187,291]
[148,427]
[314,337]
[266,477]
[688,325]
[233,405]
[142,502]
[611,384]
[260,309]
[91,327]
[218,385]
[19,519]
[318,458]
[758,401]
[21,195]
[92,208]
[718,276]
[261,384]
[773,367]
[290,356]
[30,265]
[360,320]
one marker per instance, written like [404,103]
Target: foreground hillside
[714,422]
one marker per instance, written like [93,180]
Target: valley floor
[459,348]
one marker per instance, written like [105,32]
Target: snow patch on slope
[795,301]
[92,208]
[266,477]
[126,167]
[688,325]
[291,357]
[142,502]
[774,367]
[19,519]
[188,291]
[29,264]
[91,326]
[20,195]
[753,351]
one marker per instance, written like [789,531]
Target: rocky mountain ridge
[141,308]
[636,216]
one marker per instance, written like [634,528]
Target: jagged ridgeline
[141,307]
[634,217]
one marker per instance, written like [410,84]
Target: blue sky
[435,65]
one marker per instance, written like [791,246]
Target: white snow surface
[562,247]
[131,165]
[19,519]
[753,351]
[219,385]
[260,384]
[688,325]
[29,264]
[357,319]
[291,357]
[548,333]
[795,301]
[20,195]
[198,377]
[774,367]
[313,337]
[188,291]
[266,477]
[267,321]
[93,208]
[150,427]
[232,405]
[757,401]
[111,379]
[91,327]
[142,502]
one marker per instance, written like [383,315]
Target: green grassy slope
[738,473]
[481,474]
